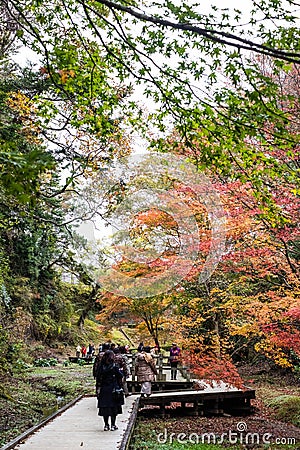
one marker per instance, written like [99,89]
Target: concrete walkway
[80,427]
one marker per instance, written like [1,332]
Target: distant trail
[127,337]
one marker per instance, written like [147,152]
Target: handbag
[117,392]
[118,395]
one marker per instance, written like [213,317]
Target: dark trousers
[174,365]
[112,418]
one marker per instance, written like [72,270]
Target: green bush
[287,408]
[20,366]
[45,362]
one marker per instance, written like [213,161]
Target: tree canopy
[203,74]
[203,69]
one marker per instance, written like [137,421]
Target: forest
[183,125]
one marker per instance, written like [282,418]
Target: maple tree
[249,306]
[151,260]
[261,266]
[151,314]
[244,308]
[217,317]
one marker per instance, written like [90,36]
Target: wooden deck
[83,359]
[211,400]
[80,426]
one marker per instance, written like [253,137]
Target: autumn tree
[150,314]
[254,296]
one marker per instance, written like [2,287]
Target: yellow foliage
[273,352]
[65,74]
[24,107]
[246,329]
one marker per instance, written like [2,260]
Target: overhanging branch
[220,37]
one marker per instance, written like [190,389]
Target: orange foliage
[212,369]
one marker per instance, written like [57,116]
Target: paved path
[80,427]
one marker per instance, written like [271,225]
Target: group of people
[111,368]
[85,352]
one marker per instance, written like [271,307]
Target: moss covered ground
[32,395]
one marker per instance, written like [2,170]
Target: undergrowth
[287,408]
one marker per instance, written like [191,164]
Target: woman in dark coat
[108,377]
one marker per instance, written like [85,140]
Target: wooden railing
[161,366]
[126,440]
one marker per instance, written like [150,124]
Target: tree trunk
[88,307]
[217,337]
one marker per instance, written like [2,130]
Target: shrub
[45,362]
[20,366]
[287,408]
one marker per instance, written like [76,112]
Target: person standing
[78,350]
[83,351]
[97,361]
[140,347]
[145,370]
[90,350]
[174,358]
[125,368]
[108,378]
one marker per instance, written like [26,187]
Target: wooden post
[133,368]
[160,367]
[162,409]
[133,373]
[187,374]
